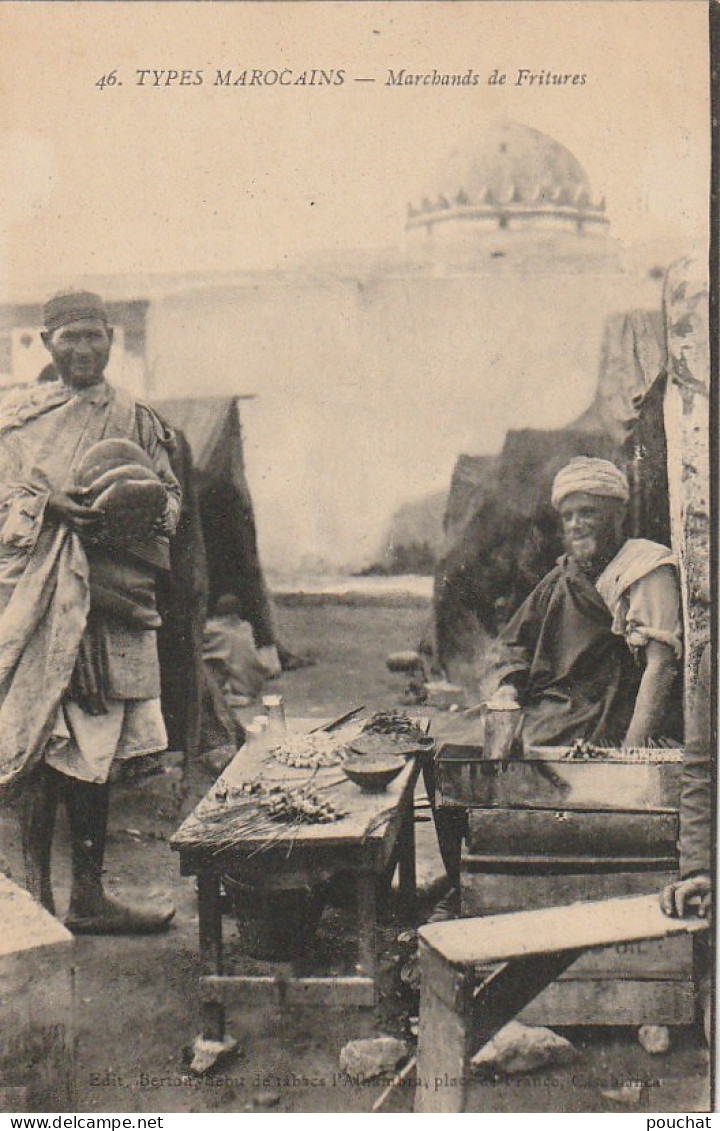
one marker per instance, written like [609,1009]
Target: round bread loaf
[107,454]
[132,472]
[117,478]
[130,507]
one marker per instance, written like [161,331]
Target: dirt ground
[137,998]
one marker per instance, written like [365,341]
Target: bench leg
[445,1035]
[456,1019]
[506,992]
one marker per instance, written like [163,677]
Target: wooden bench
[37,990]
[460,1010]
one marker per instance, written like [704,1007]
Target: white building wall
[367,391]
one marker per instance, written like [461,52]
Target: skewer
[327,727]
[404,1074]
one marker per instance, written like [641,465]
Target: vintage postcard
[357,596]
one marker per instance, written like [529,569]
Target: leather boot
[38,806]
[92,912]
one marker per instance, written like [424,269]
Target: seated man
[229,650]
[593,651]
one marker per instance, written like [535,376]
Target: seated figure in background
[594,651]
[229,650]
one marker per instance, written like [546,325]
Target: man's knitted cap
[72,306]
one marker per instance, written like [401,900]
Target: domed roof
[512,161]
[513,168]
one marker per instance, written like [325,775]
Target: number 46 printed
[110,79]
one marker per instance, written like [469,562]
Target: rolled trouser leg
[37,807]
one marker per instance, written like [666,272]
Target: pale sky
[139,179]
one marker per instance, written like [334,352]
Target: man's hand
[478,710]
[81,519]
[506,695]
[688,897]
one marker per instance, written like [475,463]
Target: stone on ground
[207,1054]
[629,1094]
[372,1056]
[523,1048]
[654,1039]
[266,1099]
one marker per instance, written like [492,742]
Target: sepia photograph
[358,464]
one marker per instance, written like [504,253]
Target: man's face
[80,351]
[592,527]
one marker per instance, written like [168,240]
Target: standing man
[87,503]
[692,893]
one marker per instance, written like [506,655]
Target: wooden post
[445,1034]
[687,430]
[38,992]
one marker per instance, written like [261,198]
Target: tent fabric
[632,355]
[646,453]
[509,541]
[204,423]
[182,604]
[213,430]
[473,480]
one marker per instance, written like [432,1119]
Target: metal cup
[503,727]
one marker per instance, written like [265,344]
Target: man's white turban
[593,476]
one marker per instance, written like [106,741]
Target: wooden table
[375,836]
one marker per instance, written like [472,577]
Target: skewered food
[390,732]
[590,751]
[310,751]
[264,813]
[393,722]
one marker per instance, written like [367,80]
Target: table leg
[211,961]
[367,922]
[406,866]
